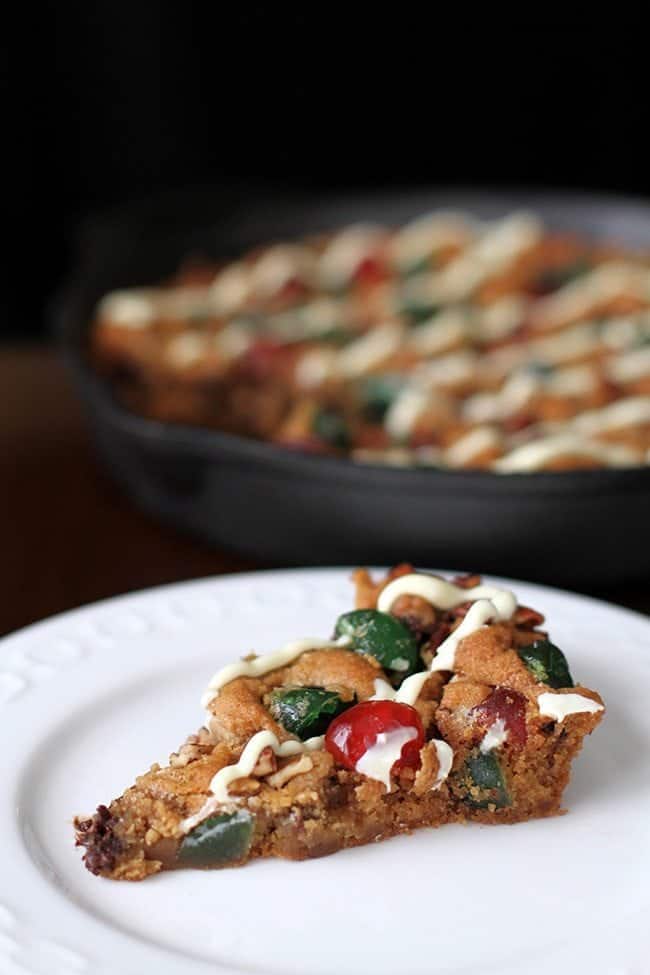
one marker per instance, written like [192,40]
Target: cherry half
[370,271]
[508,705]
[352,733]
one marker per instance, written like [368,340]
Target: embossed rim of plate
[41,929]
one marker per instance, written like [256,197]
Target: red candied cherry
[369,271]
[508,706]
[517,422]
[265,358]
[376,738]
[293,289]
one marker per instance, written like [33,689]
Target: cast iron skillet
[572,528]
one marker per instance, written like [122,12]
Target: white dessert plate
[91,698]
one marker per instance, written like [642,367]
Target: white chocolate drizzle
[496,247]
[408,693]
[572,381]
[230,289]
[445,754]
[185,349]
[280,264]
[383,691]
[425,235]
[405,410]
[232,341]
[514,395]
[448,370]
[379,759]
[624,331]
[345,252]
[501,318]
[364,353]
[250,757]
[559,706]
[628,412]
[579,297]
[539,453]
[442,594]
[315,367]
[210,806]
[630,366]
[471,445]
[482,612]
[571,344]
[494,737]
[392,457]
[265,663]
[490,603]
[130,309]
[439,333]
[370,350]
[183,302]
[424,390]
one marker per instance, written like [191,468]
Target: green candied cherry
[415,300]
[218,840]
[378,394]
[421,265]
[331,427]
[306,711]
[335,335]
[552,278]
[485,782]
[547,663]
[539,370]
[419,313]
[383,637]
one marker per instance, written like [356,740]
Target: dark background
[139,98]
[121,101]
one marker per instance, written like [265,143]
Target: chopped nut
[193,747]
[345,693]
[151,836]
[406,777]
[266,763]
[178,760]
[187,753]
[307,798]
[368,792]
[426,775]
[288,772]
[244,787]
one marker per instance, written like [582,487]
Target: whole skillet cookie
[317,510]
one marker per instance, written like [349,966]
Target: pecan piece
[528,618]
[288,772]
[467,580]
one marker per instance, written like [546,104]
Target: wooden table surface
[69,536]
